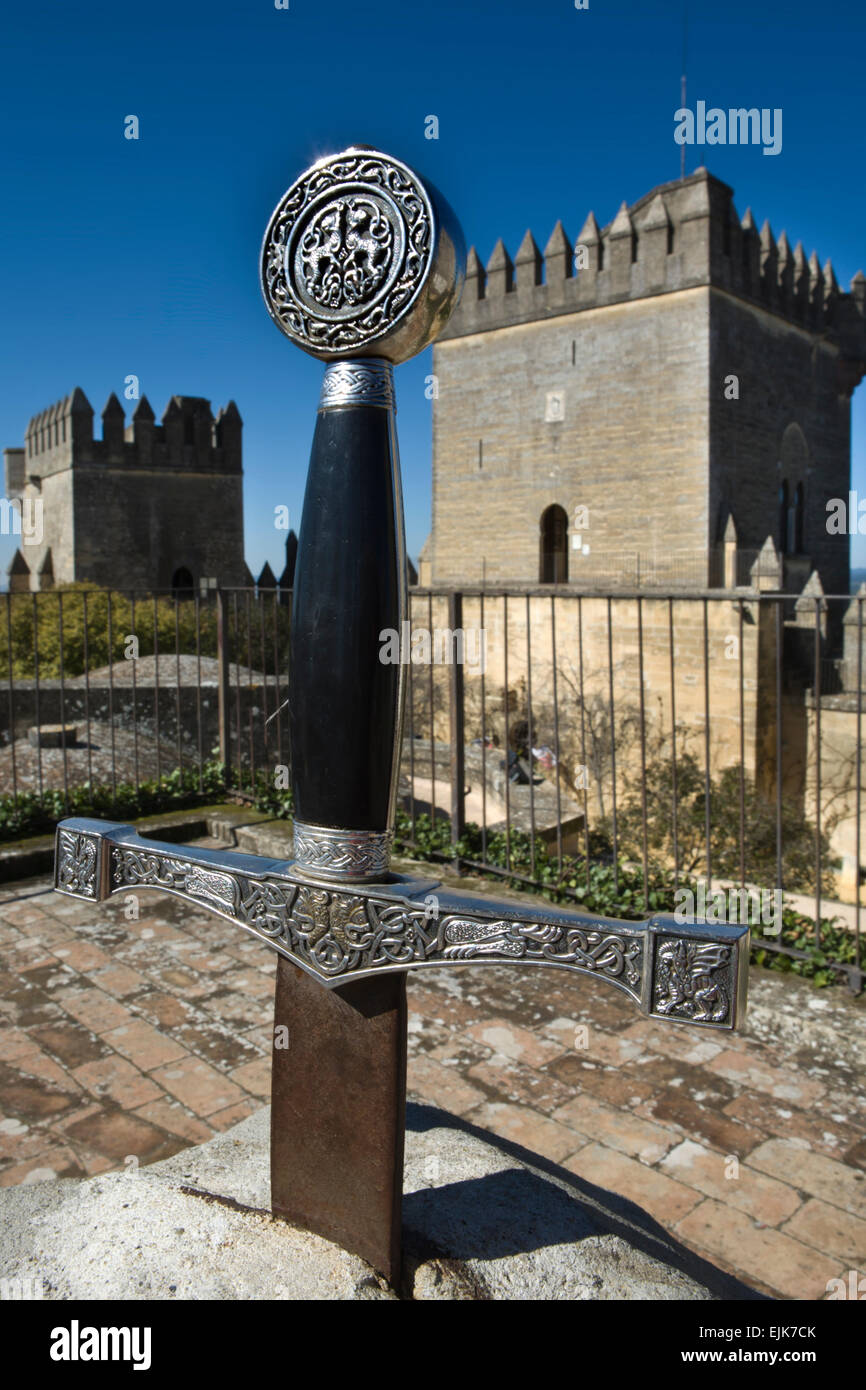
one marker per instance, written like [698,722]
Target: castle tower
[154,507]
[685,392]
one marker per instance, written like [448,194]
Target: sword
[362,264]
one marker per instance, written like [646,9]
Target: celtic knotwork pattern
[692,980]
[334,278]
[357,383]
[76,863]
[346,252]
[337,932]
[600,951]
[360,852]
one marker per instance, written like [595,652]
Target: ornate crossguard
[362,264]
[692,973]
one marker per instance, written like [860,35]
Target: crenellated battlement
[188,438]
[678,236]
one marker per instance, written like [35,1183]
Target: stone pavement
[123,1041]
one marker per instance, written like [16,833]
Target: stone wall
[631,446]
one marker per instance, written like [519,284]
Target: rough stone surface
[478,1224]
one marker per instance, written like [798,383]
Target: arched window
[553,568]
[182,584]
[799,508]
[783,518]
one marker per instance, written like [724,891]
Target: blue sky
[123,257]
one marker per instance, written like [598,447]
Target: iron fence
[642,743]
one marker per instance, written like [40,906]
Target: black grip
[343,700]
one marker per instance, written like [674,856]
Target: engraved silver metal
[366,382]
[350,855]
[362,257]
[689,973]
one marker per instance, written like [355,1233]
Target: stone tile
[92,1162]
[440,1085]
[24,1004]
[217,1044]
[115,1078]
[53,933]
[153,928]
[170,979]
[69,1043]
[95,1009]
[198,1086]
[144,1045]
[746,1070]
[164,1011]
[831,1231]
[460,1053]
[617,1129]
[58,1124]
[173,1118]
[441,1006]
[119,1135]
[795,1270]
[766,1200]
[14,1042]
[519,1044]
[222,1120]
[26,912]
[20,1141]
[814,1126]
[685,1044]
[242,1010]
[856,1155]
[249,983]
[255,1076]
[119,980]
[663,1197]
[812,1172]
[519,1085]
[702,1120]
[617,1086]
[209,962]
[23,1081]
[541,1134]
[58,1162]
[82,955]
[49,974]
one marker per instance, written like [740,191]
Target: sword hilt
[688,972]
[362,264]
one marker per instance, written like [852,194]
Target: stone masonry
[147,506]
[599,377]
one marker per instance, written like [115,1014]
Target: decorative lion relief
[76,863]
[692,980]
[347,251]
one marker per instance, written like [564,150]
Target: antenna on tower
[683,83]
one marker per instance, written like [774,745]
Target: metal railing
[657,739]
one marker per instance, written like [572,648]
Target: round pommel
[362,258]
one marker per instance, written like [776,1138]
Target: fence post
[456,721]
[223,679]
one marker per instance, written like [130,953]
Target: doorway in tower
[553,568]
